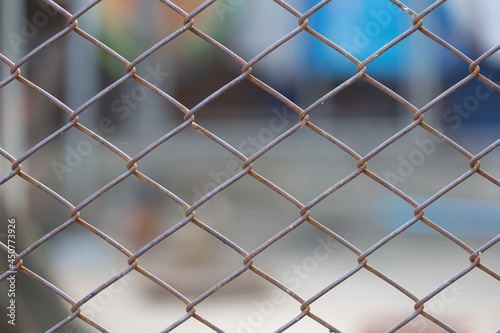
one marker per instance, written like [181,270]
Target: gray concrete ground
[248,213]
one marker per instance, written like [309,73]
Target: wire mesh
[305,211]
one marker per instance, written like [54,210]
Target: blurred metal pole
[13,134]
[81,63]
[425,82]
[148,122]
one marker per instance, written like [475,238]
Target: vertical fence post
[13,134]
[425,79]
[81,63]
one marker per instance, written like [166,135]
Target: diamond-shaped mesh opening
[121,25]
[315,78]
[90,60]
[79,271]
[365,192]
[138,216]
[191,265]
[47,118]
[243,41]
[416,155]
[424,278]
[243,101]
[345,106]
[315,255]
[466,212]
[81,157]
[132,109]
[176,158]
[312,175]
[340,306]
[198,79]
[119,299]
[428,62]
[471,107]
[366,31]
[250,206]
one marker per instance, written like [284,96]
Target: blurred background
[190,165]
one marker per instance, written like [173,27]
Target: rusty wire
[360,165]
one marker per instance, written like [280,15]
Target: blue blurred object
[462,217]
[473,104]
[362,27]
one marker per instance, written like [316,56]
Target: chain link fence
[360,167]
